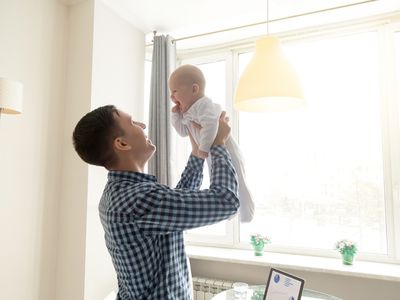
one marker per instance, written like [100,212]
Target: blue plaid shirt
[144,223]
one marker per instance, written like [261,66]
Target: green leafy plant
[257,240]
[346,247]
[257,295]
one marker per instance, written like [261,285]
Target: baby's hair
[189,74]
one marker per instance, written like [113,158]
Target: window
[214,70]
[324,172]
[317,173]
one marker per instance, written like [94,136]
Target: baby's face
[182,95]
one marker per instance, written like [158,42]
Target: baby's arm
[208,119]
[176,120]
[207,135]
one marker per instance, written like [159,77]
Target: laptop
[283,286]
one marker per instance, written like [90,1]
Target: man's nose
[141,125]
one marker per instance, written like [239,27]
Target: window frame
[210,57]
[391,86]
[386,29]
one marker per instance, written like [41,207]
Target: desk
[256,292]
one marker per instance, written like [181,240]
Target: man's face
[182,95]
[134,135]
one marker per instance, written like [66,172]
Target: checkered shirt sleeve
[144,223]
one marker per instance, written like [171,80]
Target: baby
[195,113]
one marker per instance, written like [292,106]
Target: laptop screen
[283,286]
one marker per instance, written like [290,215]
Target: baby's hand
[202,154]
[196,125]
[176,109]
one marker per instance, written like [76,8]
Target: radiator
[206,288]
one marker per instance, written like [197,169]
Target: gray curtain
[163,63]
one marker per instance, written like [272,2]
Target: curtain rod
[269,21]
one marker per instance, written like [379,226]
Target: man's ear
[121,144]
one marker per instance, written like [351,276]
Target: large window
[326,171]
[317,173]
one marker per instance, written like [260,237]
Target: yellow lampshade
[269,82]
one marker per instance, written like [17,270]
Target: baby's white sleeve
[176,120]
[208,116]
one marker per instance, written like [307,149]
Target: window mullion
[232,225]
[390,117]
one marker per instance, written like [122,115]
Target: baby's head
[186,85]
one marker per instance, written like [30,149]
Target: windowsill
[363,269]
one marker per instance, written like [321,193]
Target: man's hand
[223,130]
[202,154]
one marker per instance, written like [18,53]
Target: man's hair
[94,134]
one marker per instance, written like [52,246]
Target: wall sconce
[10,96]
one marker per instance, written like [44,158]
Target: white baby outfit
[206,113]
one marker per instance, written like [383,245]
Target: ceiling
[181,18]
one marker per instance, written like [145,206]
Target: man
[144,220]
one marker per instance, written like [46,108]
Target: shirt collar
[130,176]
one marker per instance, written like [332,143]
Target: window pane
[215,80]
[214,74]
[317,173]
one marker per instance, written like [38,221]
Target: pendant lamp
[269,82]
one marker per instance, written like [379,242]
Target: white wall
[73,194]
[32,50]
[118,62]
[48,47]
[49,231]
[117,78]
[345,287]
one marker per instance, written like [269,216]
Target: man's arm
[166,210]
[162,210]
[192,176]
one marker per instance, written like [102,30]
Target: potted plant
[258,242]
[347,249]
